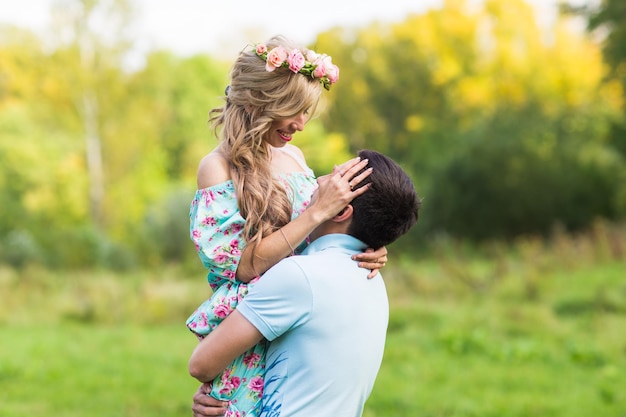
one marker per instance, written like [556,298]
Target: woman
[253,207]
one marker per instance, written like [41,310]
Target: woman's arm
[330,198]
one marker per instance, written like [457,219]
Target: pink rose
[320,69]
[332,72]
[275,58]
[322,63]
[230,384]
[312,56]
[209,221]
[209,196]
[295,59]
[256,384]
[261,48]
[251,360]
[222,310]
[221,258]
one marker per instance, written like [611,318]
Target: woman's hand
[372,259]
[336,190]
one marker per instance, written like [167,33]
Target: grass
[76,370]
[533,328]
[484,357]
[95,343]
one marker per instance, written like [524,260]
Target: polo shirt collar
[335,240]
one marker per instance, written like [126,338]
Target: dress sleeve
[216,229]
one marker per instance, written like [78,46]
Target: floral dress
[216,229]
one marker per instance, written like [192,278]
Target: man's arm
[228,340]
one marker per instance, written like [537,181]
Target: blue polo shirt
[327,324]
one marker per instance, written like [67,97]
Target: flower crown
[313,64]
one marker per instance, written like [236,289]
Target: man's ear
[344,214]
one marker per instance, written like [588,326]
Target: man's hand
[205,405]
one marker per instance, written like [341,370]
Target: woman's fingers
[342,169]
[350,172]
[372,258]
[373,265]
[338,189]
[355,181]
[354,168]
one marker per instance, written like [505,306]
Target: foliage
[532,192]
[607,19]
[476,101]
[440,89]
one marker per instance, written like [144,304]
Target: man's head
[389,208]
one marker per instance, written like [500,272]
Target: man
[325,321]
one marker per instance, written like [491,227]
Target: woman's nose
[298,122]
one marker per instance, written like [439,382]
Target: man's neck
[329,227]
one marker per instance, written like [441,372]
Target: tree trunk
[93,151]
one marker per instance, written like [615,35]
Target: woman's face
[282,131]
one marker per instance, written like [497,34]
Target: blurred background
[509,296]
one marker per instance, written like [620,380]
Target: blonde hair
[255,99]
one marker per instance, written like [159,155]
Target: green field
[529,331]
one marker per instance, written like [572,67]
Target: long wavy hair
[254,99]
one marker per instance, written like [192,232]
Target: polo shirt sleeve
[279,301]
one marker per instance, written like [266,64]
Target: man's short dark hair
[389,208]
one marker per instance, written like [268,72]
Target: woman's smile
[285,136]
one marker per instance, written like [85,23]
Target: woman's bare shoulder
[212,170]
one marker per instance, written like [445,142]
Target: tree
[607,20]
[92,57]
[433,90]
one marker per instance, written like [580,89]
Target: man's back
[327,324]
